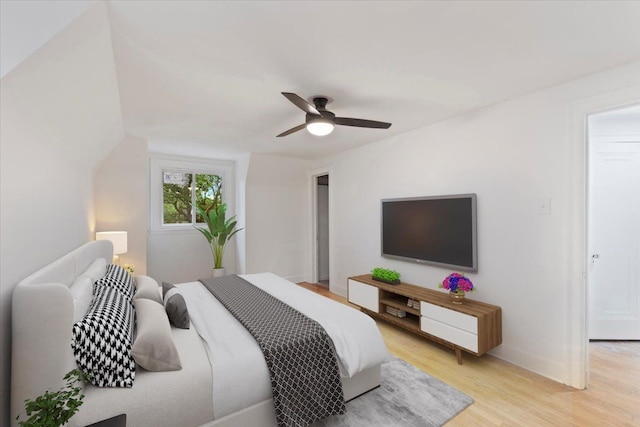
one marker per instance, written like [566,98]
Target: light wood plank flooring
[506,395]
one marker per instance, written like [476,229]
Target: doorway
[613,244]
[322,229]
[613,228]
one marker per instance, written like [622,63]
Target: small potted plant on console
[457,285]
[384,275]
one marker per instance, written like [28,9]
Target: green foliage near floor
[55,409]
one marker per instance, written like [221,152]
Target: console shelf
[395,303]
[474,327]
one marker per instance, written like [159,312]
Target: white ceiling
[208,75]
[27,25]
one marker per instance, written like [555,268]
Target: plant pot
[457,297]
[218,272]
[394,282]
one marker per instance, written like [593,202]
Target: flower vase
[457,297]
[218,272]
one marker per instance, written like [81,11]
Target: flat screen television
[439,230]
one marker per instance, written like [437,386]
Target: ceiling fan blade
[361,123]
[301,103]
[292,130]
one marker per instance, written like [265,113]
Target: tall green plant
[219,229]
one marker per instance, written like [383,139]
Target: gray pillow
[165,288]
[153,348]
[176,306]
[147,287]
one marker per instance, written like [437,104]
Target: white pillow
[147,288]
[82,291]
[82,287]
[153,348]
[96,270]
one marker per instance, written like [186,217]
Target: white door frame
[313,209]
[577,358]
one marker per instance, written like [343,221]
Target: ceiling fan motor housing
[320,102]
[323,113]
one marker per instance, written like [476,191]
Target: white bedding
[241,377]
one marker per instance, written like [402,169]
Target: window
[178,186]
[179,195]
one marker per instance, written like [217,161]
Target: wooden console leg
[459,356]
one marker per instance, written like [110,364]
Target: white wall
[60,116]
[277,217]
[242,169]
[121,191]
[513,155]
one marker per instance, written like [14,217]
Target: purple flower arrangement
[457,283]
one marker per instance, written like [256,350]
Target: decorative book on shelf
[396,312]
[473,327]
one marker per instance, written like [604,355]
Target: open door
[614,225]
[322,228]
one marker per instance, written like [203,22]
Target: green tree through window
[179,194]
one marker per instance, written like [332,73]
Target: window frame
[157,167]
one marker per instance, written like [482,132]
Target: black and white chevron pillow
[102,340]
[118,278]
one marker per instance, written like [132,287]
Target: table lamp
[119,240]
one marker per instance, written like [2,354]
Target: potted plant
[457,284]
[219,230]
[385,275]
[55,409]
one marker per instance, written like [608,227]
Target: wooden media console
[474,327]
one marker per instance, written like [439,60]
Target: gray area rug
[407,397]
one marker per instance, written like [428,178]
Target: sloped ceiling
[207,75]
[25,26]
[67,90]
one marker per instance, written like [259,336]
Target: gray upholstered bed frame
[42,324]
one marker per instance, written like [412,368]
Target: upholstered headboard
[42,322]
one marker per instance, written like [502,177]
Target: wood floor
[506,395]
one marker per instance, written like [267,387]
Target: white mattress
[241,377]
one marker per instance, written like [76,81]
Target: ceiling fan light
[320,127]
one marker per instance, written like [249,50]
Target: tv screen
[437,230]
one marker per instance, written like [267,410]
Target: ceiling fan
[320,121]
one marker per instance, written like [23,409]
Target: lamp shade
[118,238]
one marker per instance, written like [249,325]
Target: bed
[207,391]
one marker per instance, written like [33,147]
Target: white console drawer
[364,295]
[449,317]
[449,333]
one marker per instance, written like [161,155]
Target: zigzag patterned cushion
[118,278]
[102,341]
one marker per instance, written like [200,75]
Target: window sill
[173,231]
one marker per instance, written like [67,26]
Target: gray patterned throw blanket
[301,358]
